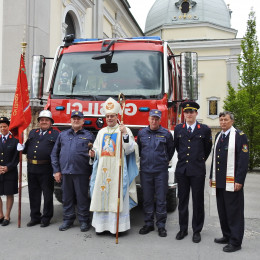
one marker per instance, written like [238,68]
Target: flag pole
[24,44]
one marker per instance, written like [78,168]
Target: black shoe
[196,238]
[33,223]
[45,224]
[65,226]
[162,232]
[222,240]
[230,248]
[146,229]
[84,226]
[181,234]
[2,219]
[6,222]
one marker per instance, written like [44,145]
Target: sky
[240,10]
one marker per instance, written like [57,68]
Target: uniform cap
[4,120]
[190,105]
[111,106]
[77,113]
[45,113]
[155,112]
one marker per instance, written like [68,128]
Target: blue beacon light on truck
[60,108]
[153,38]
[144,109]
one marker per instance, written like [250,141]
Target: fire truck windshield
[140,75]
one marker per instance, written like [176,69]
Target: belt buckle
[34,161]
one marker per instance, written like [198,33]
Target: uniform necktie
[41,134]
[189,130]
[223,136]
[4,140]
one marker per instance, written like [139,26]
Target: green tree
[245,102]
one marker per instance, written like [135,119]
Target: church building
[203,27]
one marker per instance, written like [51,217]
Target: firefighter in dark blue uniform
[230,150]
[70,162]
[38,148]
[8,169]
[156,150]
[193,143]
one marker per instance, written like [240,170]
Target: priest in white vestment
[105,175]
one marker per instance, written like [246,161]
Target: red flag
[21,113]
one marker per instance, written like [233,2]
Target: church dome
[177,12]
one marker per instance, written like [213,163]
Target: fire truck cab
[86,72]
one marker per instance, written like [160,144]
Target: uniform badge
[241,133]
[245,148]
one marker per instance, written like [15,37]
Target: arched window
[70,25]
[185,7]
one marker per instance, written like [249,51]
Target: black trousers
[196,184]
[39,184]
[231,215]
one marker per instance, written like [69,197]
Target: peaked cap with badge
[4,120]
[77,113]
[190,105]
[155,112]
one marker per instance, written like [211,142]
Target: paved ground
[49,243]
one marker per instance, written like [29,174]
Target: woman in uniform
[9,158]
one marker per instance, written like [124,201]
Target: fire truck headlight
[100,122]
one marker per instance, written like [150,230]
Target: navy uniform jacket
[193,150]
[39,149]
[155,149]
[70,153]
[241,159]
[9,156]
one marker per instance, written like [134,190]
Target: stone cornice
[82,5]
[191,25]
[202,44]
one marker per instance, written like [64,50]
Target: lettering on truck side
[97,108]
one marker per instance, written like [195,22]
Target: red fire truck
[86,72]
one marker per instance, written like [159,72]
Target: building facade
[200,26]
[43,25]
[203,27]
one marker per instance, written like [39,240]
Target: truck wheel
[58,191]
[171,200]
[58,194]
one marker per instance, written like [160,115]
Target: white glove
[20,147]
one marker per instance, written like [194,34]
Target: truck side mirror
[189,75]
[38,68]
